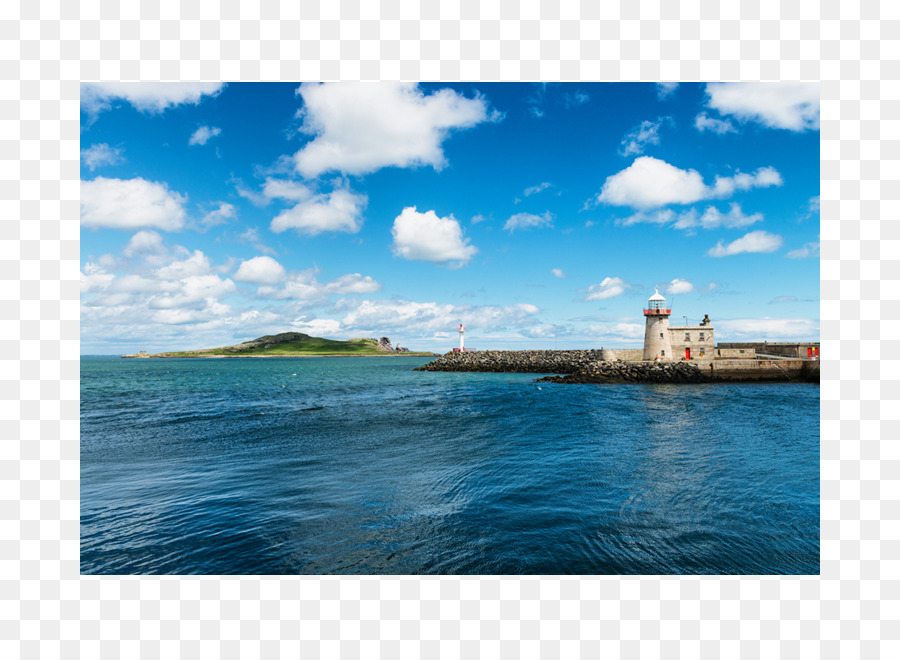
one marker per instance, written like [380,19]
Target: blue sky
[537,215]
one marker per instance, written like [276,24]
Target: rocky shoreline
[583,367]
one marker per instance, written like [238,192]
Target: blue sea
[364,466]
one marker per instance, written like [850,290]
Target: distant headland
[293,344]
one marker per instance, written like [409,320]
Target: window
[701,337]
[687,336]
[660,335]
[662,353]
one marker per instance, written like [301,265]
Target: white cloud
[529,221]
[352,283]
[409,317]
[285,189]
[703,123]
[144,242]
[362,127]
[195,265]
[339,210]
[204,134]
[808,250]
[712,218]
[558,272]
[764,177]
[329,328]
[427,237]
[678,286]
[755,241]
[651,183]
[533,190]
[608,288]
[95,277]
[260,270]
[130,204]
[768,329]
[645,133]
[783,299]
[150,97]
[664,89]
[658,217]
[613,332]
[792,106]
[98,155]
[218,216]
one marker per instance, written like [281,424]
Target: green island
[293,344]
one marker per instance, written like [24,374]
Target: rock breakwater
[633,372]
[537,362]
[589,367]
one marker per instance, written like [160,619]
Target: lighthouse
[657,342]
[462,331]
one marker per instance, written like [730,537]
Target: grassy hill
[289,344]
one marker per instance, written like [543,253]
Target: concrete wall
[734,353]
[688,336]
[787,349]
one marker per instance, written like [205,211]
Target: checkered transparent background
[48,610]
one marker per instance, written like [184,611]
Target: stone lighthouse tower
[657,342]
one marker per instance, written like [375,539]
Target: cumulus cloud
[558,272]
[665,89]
[642,135]
[713,218]
[755,241]
[340,210]
[260,270]
[768,329]
[361,127]
[353,283]
[808,250]
[203,135]
[792,106]
[533,190]
[152,97]
[616,332]
[218,216]
[130,204]
[678,286]
[412,317]
[144,242]
[704,122]
[610,287]
[764,177]
[427,237]
[99,155]
[196,264]
[529,221]
[650,183]
[285,189]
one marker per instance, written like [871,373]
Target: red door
[687,354]
[809,352]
